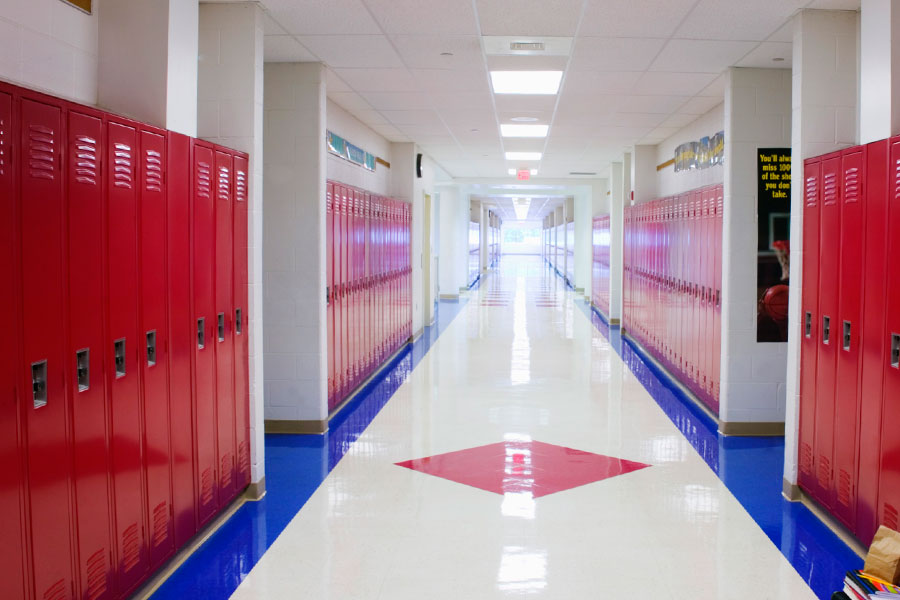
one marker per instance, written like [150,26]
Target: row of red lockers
[600,271]
[369,284]
[672,285]
[849,451]
[123,422]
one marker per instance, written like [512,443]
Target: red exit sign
[523,174]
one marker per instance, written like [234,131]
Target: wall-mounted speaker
[419,166]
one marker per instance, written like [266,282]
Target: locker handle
[39,383]
[847,336]
[151,348]
[83,369]
[238,321]
[807,324]
[119,354]
[895,350]
[220,322]
[201,333]
[826,330]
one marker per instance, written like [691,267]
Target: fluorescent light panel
[512,130]
[523,156]
[526,82]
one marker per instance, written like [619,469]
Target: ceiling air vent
[581,173]
[527,46]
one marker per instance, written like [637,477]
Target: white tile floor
[374,530]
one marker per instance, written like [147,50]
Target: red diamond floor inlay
[523,466]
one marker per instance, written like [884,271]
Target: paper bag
[883,559]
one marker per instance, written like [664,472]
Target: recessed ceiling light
[526,131]
[524,119]
[523,156]
[446,54]
[779,59]
[526,82]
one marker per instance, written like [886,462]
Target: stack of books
[862,586]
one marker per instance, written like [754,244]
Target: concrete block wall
[668,181]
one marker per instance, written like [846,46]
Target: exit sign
[523,175]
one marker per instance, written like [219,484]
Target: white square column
[879,75]
[616,240]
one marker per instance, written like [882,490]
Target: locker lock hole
[119,352]
[83,369]
[807,324]
[151,348]
[847,335]
[826,329]
[238,321]
[39,383]
[201,333]
[221,326]
[895,350]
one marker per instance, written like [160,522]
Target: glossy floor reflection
[521,362]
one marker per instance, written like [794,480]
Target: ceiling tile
[785,34]
[516,102]
[651,104]
[424,17]
[390,133]
[679,120]
[350,101]
[700,56]
[630,18]
[680,84]
[639,119]
[370,117]
[523,145]
[333,83]
[596,82]
[434,130]
[737,19]
[716,88]
[446,80]
[425,52]
[411,117]
[322,17]
[836,4]
[529,17]
[271,26]
[615,54]
[462,101]
[469,118]
[379,80]
[397,100]
[285,48]
[700,105]
[353,51]
[763,56]
[527,63]
[543,117]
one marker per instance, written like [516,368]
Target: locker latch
[846,335]
[807,324]
[895,350]
[220,319]
[39,383]
[238,322]
[119,354]
[151,348]
[83,369]
[826,329]
[201,333]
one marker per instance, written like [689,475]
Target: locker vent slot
[120,359]
[96,574]
[39,383]
[41,152]
[244,457]
[201,333]
[83,369]
[826,329]
[830,187]
[225,478]
[897,179]
[206,487]
[845,487]
[204,180]
[824,473]
[806,458]
[224,185]
[851,185]
[154,171]
[220,321]
[807,324]
[151,348]
[895,350]
[131,547]
[240,186]
[4,133]
[160,523]
[890,517]
[86,160]
[123,166]
[57,591]
[847,331]
[238,321]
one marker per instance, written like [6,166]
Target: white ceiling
[638,70]
[539,207]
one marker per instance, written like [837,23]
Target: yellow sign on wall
[84,5]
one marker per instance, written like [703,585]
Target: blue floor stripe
[752,469]
[295,467]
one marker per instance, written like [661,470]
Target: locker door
[829,329]
[338,298]
[345,286]
[846,410]
[124,348]
[44,358]
[224,332]
[241,320]
[12,519]
[204,330]
[889,485]
[182,337]
[155,344]
[86,354]
[717,319]
[329,282]
[871,336]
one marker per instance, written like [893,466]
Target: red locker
[338,295]
[889,485]
[329,282]
[224,332]
[155,340]
[345,289]
[86,352]
[872,339]
[12,518]
[43,367]
[124,348]
[240,314]
[182,337]
[829,328]
[717,318]
[204,327]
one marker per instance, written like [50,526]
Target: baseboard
[833,524]
[791,491]
[352,395]
[279,426]
[256,491]
[416,336]
[448,296]
[736,428]
[615,322]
